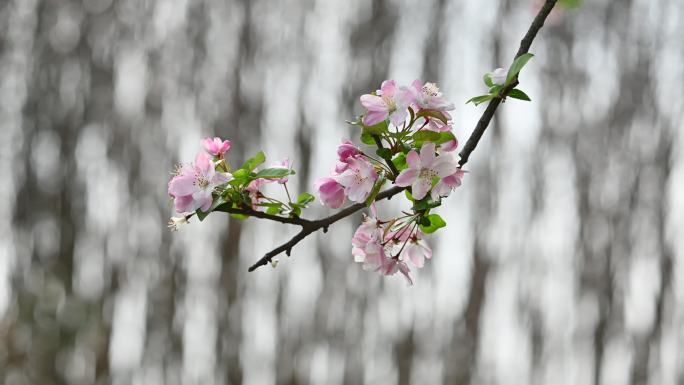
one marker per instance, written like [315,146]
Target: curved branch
[309,227]
[313,226]
[488,114]
[259,214]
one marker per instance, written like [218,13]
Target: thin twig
[314,226]
[309,227]
[488,114]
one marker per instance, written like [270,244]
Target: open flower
[216,146]
[390,101]
[254,191]
[193,186]
[417,250]
[390,266]
[330,193]
[427,96]
[498,76]
[422,169]
[358,179]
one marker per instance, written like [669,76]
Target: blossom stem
[287,192]
[393,169]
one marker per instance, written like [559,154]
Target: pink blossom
[346,150]
[422,169]
[390,266]
[390,101]
[358,179]
[330,193]
[194,184]
[444,187]
[254,191]
[416,250]
[285,164]
[427,96]
[216,146]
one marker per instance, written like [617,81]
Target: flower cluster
[385,246]
[408,133]
[411,130]
[209,184]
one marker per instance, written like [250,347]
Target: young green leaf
[400,161]
[488,80]
[254,161]
[445,137]
[425,135]
[305,198]
[367,138]
[384,153]
[517,65]
[518,94]
[272,173]
[377,129]
[433,114]
[477,100]
[436,222]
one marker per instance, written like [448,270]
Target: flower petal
[406,177]
[420,188]
[373,103]
[182,185]
[413,160]
[427,154]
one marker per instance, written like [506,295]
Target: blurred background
[561,262]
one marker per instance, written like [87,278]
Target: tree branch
[259,214]
[313,226]
[488,114]
[309,227]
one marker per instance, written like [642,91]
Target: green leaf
[218,201]
[433,114]
[254,161]
[518,94]
[477,100]
[272,173]
[445,137]
[425,204]
[517,65]
[488,80]
[384,153]
[423,221]
[426,135]
[408,195]
[305,198]
[367,138]
[376,189]
[239,216]
[436,222]
[273,210]
[494,90]
[377,129]
[400,161]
